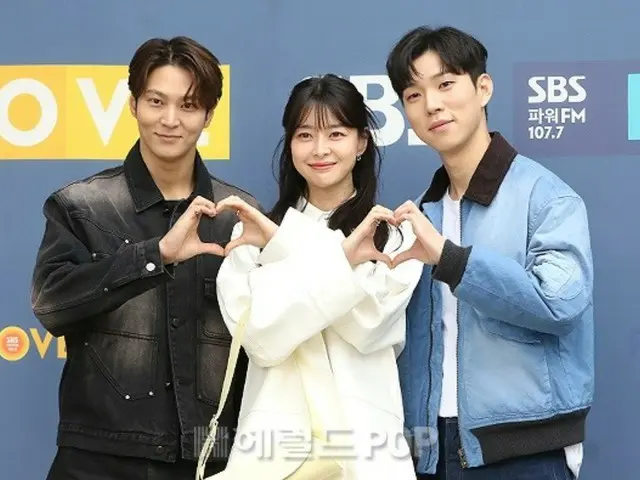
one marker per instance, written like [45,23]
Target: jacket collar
[144,190]
[487,178]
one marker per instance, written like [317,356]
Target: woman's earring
[358,158]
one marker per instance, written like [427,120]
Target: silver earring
[358,158]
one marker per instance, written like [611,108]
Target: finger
[199,210]
[200,198]
[406,207]
[243,216]
[233,244]
[381,257]
[212,249]
[377,216]
[383,214]
[234,203]
[402,211]
[380,208]
[402,257]
[203,202]
[412,217]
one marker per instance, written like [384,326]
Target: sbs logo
[557,89]
[80,112]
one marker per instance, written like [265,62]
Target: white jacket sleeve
[378,321]
[299,285]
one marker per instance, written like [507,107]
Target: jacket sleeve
[295,288]
[378,321]
[71,284]
[550,292]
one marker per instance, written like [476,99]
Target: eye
[303,135]
[337,134]
[155,101]
[189,106]
[413,96]
[447,84]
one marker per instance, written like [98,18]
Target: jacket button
[159,449]
[175,322]
[167,385]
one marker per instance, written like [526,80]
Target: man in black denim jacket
[126,272]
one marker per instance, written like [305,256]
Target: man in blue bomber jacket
[499,353]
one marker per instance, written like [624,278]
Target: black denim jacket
[146,344]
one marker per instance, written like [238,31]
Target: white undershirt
[449,401]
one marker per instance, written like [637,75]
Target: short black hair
[459,52]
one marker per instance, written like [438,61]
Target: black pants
[543,466]
[75,464]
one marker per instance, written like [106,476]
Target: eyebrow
[432,77]
[333,125]
[163,95]
[155,92]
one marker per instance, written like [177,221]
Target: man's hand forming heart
[182,242]
[429,242]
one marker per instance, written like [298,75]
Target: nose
[321,147]
[433,102]
[170,118]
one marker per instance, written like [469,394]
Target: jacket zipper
[429,360]
[463,457]
[461,453]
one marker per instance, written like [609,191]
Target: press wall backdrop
[567,92]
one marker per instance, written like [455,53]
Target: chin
[170,153]
[316,183]
[446,145]
[322,183]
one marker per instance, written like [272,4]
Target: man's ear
[132,105]
[208,118]
[484,87]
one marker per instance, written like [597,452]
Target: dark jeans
[544,466]
[75,464]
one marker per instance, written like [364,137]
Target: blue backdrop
[567,93]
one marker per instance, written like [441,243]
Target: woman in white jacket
[323,302]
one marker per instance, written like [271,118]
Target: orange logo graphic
[14,343]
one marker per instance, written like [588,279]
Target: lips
[321,166]
[439,123]
[168,137]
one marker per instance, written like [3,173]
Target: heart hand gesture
[429,243]
[182,241]
[359,247]
[257,228]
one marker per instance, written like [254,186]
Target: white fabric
[298,290]
[449,400]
